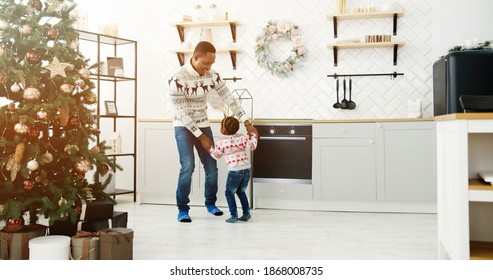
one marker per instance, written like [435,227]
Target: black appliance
[283,154]
[461,73]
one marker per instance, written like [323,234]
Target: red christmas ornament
[74,120]
[104,169]
[79,175]
[14,225]
[28,185]
[34,132]
[34,56]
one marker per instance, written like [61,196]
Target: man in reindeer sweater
[190,89]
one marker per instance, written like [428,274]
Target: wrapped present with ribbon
[116,244]
[96,210]
[85,246]
[15,245]
[119,219]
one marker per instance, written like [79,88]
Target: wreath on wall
[279,30]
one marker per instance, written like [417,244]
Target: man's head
[204,56]
[229,126]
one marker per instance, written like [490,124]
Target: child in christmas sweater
[233,147]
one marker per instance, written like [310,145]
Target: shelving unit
[129,81]
[181,26]
[349,16]
[465,201]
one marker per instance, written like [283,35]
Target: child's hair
[230,125]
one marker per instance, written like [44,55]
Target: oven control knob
[292,131]
[272,131]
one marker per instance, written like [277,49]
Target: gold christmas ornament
[67,88]
[62,201]
[96,149]
[52,34]
[37,5]
[83,166]
[32,94]
[46,158]
[90,97]
[84,73]
[34,56]
[25,30]
[4,25]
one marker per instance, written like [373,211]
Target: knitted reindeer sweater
[190,93]
[233,148]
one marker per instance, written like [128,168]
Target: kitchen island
[465,147]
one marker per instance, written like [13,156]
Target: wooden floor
[279,235]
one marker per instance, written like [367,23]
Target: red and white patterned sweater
[233,148]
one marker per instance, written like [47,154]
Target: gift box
[63,227]
[119,219]
[15,245]
[116,244]
[85,246]
[96,210]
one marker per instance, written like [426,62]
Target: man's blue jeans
[237,182]
[186,142]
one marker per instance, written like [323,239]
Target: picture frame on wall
[115,66]
[111,108]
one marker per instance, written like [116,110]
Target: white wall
[430,28]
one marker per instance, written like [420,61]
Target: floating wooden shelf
[193,24]
[391,14]
[394,44]
[232,52]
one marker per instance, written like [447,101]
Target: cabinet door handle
[371,142]
[343,130]
[379,126]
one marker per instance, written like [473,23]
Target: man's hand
[206,142]
[250,128]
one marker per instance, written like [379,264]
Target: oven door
[283,159]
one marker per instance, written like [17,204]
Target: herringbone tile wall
[308,92]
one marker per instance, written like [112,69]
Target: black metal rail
[392,75]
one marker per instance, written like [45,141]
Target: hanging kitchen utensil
[350,104]
[344,101]
[337,105]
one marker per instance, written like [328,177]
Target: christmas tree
[48,131]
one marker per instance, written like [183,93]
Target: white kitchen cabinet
[159,166]
[464,147]
[406,161]
[344,162]
[384,167]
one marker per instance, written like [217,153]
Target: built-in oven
[283,154]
